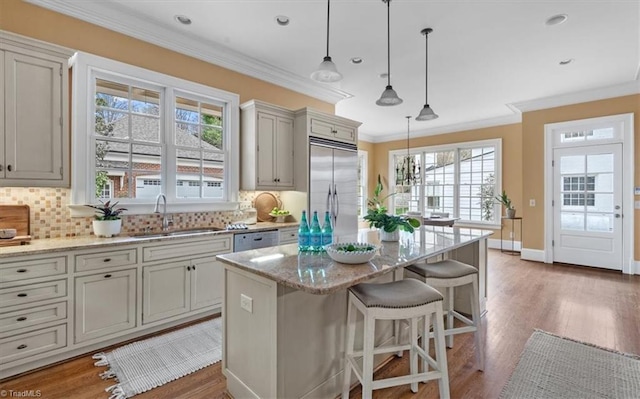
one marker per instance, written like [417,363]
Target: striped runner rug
[143,365]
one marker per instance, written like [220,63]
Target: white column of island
[284,313]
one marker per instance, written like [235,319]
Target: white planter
[393,236]
[511,213]
[107,228]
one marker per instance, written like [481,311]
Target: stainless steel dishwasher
[258,239]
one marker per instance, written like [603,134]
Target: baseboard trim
[532,254]
[637,271]
[494,243]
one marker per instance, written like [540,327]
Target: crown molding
[623,89]
[458,127]
[101,14]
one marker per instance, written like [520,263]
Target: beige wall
[533,156]
[39,23]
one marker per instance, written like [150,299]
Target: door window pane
[572,221]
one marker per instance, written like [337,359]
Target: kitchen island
[284,313]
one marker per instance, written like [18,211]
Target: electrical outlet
[246,303]
[637,204]
[532,202]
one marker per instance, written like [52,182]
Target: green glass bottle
[327,230]
[303,234]
[315,234]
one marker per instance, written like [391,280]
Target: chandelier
[407,171]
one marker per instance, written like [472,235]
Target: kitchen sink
[174,233]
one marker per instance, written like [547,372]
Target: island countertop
[317,273]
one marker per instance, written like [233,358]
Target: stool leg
[367,356]
[396,335]
[441,354]
[413,353]
[477,322]
[449,292]
[426,340]
[348,351]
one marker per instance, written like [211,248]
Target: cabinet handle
[9,168]
[189,268]
[106,260]
[22,318]
[22,295]
[0,168]
[23,346]
[107,275]
[21,271]
[193,267]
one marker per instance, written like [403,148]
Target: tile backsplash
[51,218]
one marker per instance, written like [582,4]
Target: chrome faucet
[166,221]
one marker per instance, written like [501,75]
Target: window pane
[600,222]
[572,221]
[198,124]
[144,128]
[145,101]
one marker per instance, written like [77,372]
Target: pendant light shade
[389,96]
[426,114]
[327,71]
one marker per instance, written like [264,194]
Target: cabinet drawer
[33,316]
[187,249]
[32,293]
[345,133]
[288,236]
[15,271]
[99,260]
[32,343]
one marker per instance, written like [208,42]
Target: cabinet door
[266,138]
[33,118]
[105,303]
[2,112]
[206,282]
[321,128]
[284,153]
[165,291]
[345,133]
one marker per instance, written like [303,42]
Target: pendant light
[409,173]
[327,71]
[426,114]
[389,96]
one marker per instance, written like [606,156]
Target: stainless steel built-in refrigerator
[333,182]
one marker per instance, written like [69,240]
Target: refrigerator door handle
[329,207]
[336,200]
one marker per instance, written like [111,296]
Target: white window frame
[86,67]
[496,143]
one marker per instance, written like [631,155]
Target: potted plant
[107,222]
[506,201]
[389,225]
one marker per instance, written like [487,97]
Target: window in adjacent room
[459,179]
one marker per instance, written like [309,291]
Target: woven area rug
[555,367]
[143,365]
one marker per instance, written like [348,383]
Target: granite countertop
[50,245]
[319,274]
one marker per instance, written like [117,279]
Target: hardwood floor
[592,305]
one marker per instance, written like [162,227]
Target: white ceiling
[485,56]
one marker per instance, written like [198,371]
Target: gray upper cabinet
[266,147]
[34,142]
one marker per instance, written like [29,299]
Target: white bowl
[8,233]
[364,252]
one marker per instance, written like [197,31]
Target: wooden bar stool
[406,299]
[449,274]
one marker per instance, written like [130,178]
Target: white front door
[587,205]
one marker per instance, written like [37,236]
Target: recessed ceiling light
[282,20]
[556,19]
[183,19]
[356,60]
[566,62]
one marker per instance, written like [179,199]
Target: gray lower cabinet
[105,303]
[172,289]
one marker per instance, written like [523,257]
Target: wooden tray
[15,217]
[264,203]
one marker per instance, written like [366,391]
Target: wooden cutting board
[15,217]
